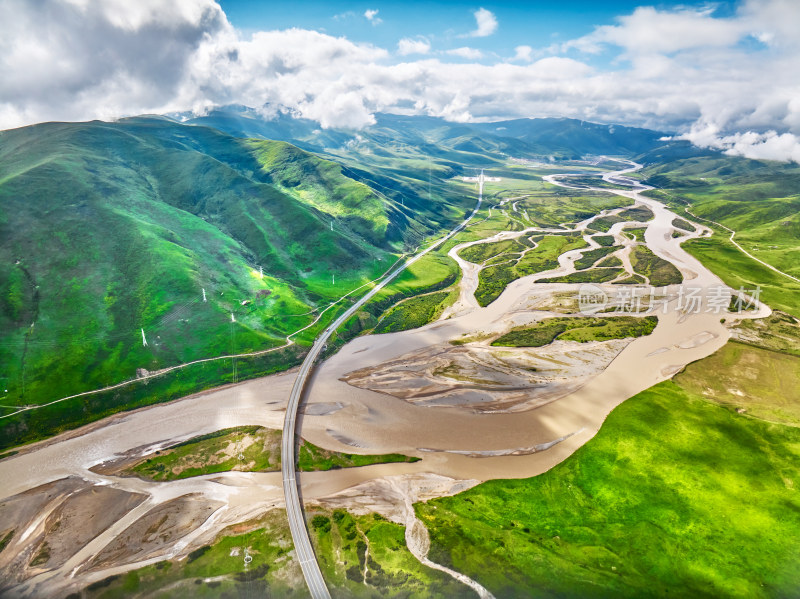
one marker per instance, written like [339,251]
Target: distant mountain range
[557,137]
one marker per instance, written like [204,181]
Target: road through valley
[459,446]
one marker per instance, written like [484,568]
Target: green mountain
[113,233]
[412,160]
[576,138]
[435,138]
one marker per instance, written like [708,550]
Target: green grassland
[480,253]
[778,332]
[311,458]
[321,184]
[546,205]
[632,280]
[660,272]
[739,271]
[674,497]
[218,570]
[415,312]
[558,206]
[637,214]
[245,449]
[581,329]
[604,240]
[433,272]
[592,275]
[590,257]
[635,233]
[366,556]
[680,223]
[36,424]
[493,280]
[757,199]
[763,383]
[611,261]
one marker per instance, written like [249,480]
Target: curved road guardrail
[294,511]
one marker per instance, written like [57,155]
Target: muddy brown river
[456,443]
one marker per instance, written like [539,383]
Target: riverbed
[459,446]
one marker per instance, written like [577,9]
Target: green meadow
[493,280]
[360,556]
[245,449]
[582,329]
[674,497]
[757,199]
[658,271]
[415,312]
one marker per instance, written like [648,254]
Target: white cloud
[85,59]
[408,46]
[648,31]
[523,53]
[760,146]
[348,14]
[486,23]
[465,52]
[372,16]
[92,59]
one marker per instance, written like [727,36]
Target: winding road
[294,510]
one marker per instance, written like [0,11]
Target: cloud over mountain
[730,82]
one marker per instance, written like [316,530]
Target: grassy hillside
[321,184]
[674,497]
[113,228]
[760,200]
[415,312]
[412,160]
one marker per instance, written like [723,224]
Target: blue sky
[538,24]
[721,73]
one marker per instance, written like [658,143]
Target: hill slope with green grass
[760,200]
[674,497]
[134,246]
